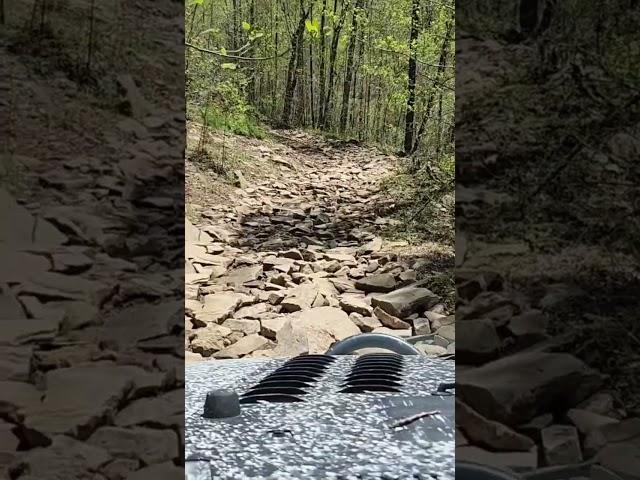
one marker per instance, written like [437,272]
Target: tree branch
[234,57]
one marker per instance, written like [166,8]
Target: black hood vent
[375,372]
[291,381]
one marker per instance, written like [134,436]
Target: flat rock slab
[244,346]
[516,388]
[511,460]
[487,433]
[145,444]
[65,458]
[20,332]
[15,362]
[389,321]
[167,408]
[78,398]
[384,282]
[25,229]
[405,301]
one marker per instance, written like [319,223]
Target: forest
[376,71]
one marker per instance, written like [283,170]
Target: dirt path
[303,241]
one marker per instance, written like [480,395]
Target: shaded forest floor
[346,181]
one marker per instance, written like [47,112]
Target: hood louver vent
[289,382]
[375,372]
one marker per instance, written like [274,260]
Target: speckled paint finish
[330,435]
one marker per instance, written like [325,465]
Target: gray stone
[396,333]
[487,433]
[210,339]
[243,325]
[314,331]
[271,326]
[431,350]
[623,459]
[146,444]
[586,421]
[252,311]
[625,431]
[384,282]
[167,409]
[98,390]
[366,324]
[390,321]
[244,346]
[65,458]
[561,445]
[405,301]
[478,342]
[159,471]
[516,388]
[421,326]
[355,304]
[511,460]
[448,332]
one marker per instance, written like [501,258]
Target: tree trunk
[322,68]
[332,65]
[294,67]
[234,27]
[409,124]
[442,65]
[349,71]
[311,99]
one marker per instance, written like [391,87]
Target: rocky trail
[294,259]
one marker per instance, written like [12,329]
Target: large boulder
[314,331]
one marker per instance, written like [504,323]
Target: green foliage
[240,123]
[379,92]
[313,27]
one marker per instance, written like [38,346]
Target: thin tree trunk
[332,64]
[411,86]
[349,72]
[234,27]
[311,99]
[293,69]
[322,66]
[442,65]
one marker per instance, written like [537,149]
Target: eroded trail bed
[293,259]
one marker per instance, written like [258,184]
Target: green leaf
[229,66]
[198,2]
[313,27]
[223,51]
[246,26]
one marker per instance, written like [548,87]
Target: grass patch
[239,123]
[425,205]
